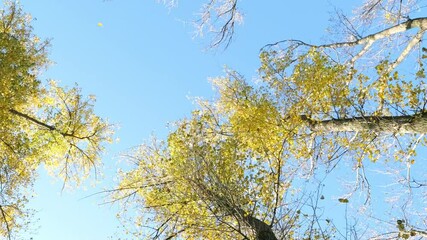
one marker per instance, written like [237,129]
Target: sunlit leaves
[75,143]
[307,85]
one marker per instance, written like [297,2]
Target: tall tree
[40,122]
[229,171]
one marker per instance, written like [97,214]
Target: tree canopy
[256,161]
[41,123]
[231,170]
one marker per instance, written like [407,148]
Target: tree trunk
[410,124]
[262,230]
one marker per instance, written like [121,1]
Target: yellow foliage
[40,124]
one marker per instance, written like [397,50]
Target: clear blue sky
[142,65]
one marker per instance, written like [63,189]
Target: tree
[40,123]
[230,170]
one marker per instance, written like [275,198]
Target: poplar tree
[41,123]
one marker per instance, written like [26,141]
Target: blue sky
[143,64]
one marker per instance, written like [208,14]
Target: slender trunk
[262,230]
[410,124]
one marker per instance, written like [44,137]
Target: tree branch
[32,119]
[409,24]
[49,127]
[368,40]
